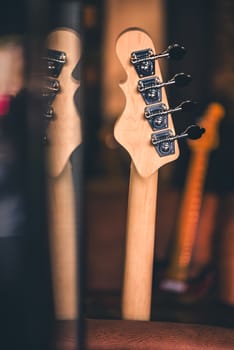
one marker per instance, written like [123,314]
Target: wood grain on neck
[63,243]
[139,246]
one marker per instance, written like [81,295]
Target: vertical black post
[38,294]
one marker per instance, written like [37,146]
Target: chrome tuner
[160,110]
[144,60]
[150,88]
[157,114]
[164,141]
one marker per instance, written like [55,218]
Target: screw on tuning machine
[150,88]
[144,60]
[164,141]
[157,115]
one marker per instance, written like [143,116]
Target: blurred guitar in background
[190,234]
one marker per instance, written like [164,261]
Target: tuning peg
[161,110]
[143,60]
[179,79]
[174,51]
[193,132]
[157,114]
[164,141]
[150,88]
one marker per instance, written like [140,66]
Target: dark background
[205,28]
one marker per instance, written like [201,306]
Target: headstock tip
[216,109]
[130,40]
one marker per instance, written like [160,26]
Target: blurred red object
[4,105]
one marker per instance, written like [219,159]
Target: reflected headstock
[134,127]
[64,129]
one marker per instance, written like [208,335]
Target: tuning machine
[150,88]
[144,60]
[164,141]
[157,115]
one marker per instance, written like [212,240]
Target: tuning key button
[176,51]
[182,79]
[186,106]
[194,132]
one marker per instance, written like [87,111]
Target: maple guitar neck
[133,131]
[64,136]
[192,197]
[62,228]
[137,284]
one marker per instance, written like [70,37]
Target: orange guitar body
[178,270]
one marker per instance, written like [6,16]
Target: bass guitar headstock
[145,128]
[63,129]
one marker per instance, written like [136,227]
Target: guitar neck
[63,244]
[142,199]
[189,216]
